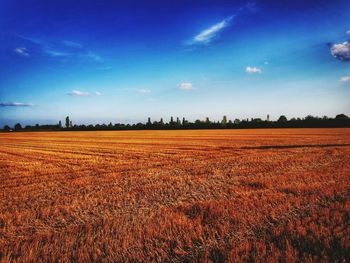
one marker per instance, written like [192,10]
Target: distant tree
[161,122]
[341,117]
[282,118]
[178,121]
[149,121]
[237,121]
[59,124]
[171,120]
[67,122]
[70,124]
[224,120]
[7,128]
[197,123]
[207,120]
[18,127]
[310,118]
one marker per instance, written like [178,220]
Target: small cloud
[22,51]
[253,70]
[347,32]
[207,35]
[72,44]
[185,86]
[92,56]
[144,91]
[266,62]
[79,93]
[15,104]
[341,51]
[55,53]
[345,78]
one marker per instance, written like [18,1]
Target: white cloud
[185,86]
[22,51]
[79,93]
[348,32]
[144,91]
[207,35]
[341,51]
[92,56]
[15,104]
[55,53]
[253,70]
[72,44]
[345,78]
[60,49]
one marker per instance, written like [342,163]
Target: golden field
[264,195]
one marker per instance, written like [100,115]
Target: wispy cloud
[79,93]
[253,70]
[341,51]
[207,35]
[31,39]
[210,33]
[92,56]
[55,53]
[347,32]
[15,104]
[143,91]
[62,48]
[185,86]
[345,78]
[22,51]
[72,44]
[138,90]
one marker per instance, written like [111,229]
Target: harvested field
[202,195]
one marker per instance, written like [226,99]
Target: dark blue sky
[101,61]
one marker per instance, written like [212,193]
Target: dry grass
[214,195]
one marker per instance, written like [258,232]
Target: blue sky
[102,61]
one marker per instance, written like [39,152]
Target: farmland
[201,195]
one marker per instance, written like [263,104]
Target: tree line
[340,120]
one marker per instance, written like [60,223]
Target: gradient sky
[101,61]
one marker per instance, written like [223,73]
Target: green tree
[67,122]
[224,120]
[18,127]
[282,118]
[7,128]
[341,117]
